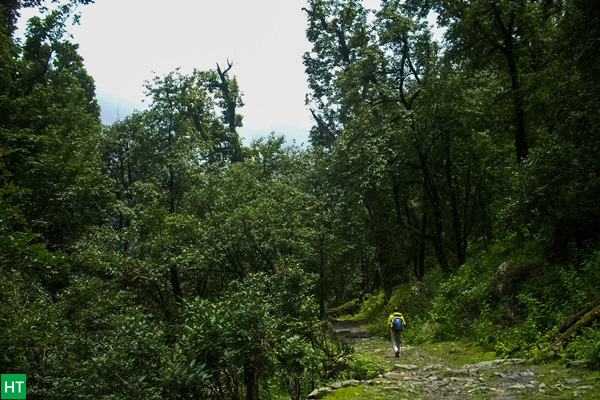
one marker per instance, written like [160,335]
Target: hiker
[395,326]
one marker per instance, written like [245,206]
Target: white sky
[125,42]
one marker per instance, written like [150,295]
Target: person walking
[395,326]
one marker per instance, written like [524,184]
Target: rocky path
[455,371]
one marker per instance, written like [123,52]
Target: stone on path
[405,367]
[493,363]
[320,392]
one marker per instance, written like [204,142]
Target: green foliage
[49,137]
[461,299]
[158,258]
[264,323]
[513,308]
[363,367]
[373,313]
[586,347]
[349,308]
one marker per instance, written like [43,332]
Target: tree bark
[583,322]
[231,104]
[420,273]
[251,381]
[521,145]
[436,204]
[322,277]
[456,223]
[176,285]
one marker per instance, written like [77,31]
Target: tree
[508,36]
[157,156]
[337,31]
[230,98]
[10,11]
[51,135]
[554,190]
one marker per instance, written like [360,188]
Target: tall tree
[51,134]
[229,99]
[158,157]
[338,32]
[509,36]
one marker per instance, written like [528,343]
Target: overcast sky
[125,42]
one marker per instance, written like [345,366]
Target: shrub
[586,346]
[364,368]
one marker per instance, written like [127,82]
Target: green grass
[370,392]
[458,354]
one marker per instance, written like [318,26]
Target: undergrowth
[508,301]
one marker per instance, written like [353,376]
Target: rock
[405,367]
[458,372]
[587,387]
[572,381]
[434,378]
[518,386]
[559,386]
[394,376]
[320,392]
[493,363]
[479,389]
[517,374]
[433,367]
[339,385]
[413,379]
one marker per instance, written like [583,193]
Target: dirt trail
[454,371]
[351,329]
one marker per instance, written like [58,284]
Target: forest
[161,258]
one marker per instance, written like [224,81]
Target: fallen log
[568,332]
[568,323]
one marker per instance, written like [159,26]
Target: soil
[453,371]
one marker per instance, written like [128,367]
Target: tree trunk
[420,273]
[456,223]
[521,145]
[579,315]
[230,102]
[586,320]
[176,285]
[251,381]
[436,204]
[383,247]
[322,277]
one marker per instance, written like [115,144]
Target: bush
[586,346]
[462,299]
[349,308]
[364,368]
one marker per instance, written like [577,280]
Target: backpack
[397,325]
